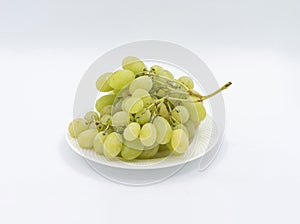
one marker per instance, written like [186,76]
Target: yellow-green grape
[120,118]
[166,73]
[156,69]
[112,145]
[179,141]
[147,100]
[91,116]
[92,125]
[148,134]
[99,141]
[99,126]
[106,119]
[77,126]
[143,117]
[181,126]
[181,114]
[196,111]
[121,78]
[190,126]
[163,130]
[133,105]
[102,82]
[133,64]
[86,138]
[187,81]
[143,82]
[148,154]
[163,111]
[106,110]
[105,101]
[129,153]
[123,103]
[140,93]
[135,144]
[132,131]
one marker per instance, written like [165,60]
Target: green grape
[133,64]
[190,126]
[143,82]
[112,145]
[102,82]
[196,111]
[99,126]
[163,111]
[105,101]
[148,134]
[106,119]
[86,138]
[91,116]
[129,153]
[156,69]
[148,154]
[163,129]
[121,78]
[99,141]
[181,126]
[77,126]
[143,117]
[123,103]
[92,125]
[133,105]
[132,131]
[147,100]
[120,118]
[106,110]
[187,81]
[181,114]
[140,93]
[135,144]
[179,142]
[166,73]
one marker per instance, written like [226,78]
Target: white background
[46,46]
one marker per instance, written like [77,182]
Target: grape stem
[202,98]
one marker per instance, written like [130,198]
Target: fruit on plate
[144,114]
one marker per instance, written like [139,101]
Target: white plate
[205,138]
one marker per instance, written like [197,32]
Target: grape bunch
[146,113]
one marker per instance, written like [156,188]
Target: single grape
[148,134]
[190,126]
[129,153]
[106,110]
[163,130]
[148,154]
[180,113]
[163,111]
[187,81]
[133,64]
[102,82]
[132,131]
[86,138]
[91,116]
[99,141]
[121,78]
[120,118]
[180,141]
[105,101]
[112,145]
[183,127]
[163,151]
[106,119]
[77,126]
[140,93]
[99,126]
[156,69]
[166,73]
[196,111]
[142,82]
[133,105]
[135,144]
[143,117]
